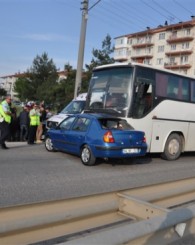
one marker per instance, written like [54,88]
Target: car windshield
[114,123]
[74,107]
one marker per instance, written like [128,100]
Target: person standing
[24,123]
[48,113]
[5,120]
[34,115]
[40,127]
[14,125]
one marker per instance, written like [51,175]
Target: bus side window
[193,91]
[172,95]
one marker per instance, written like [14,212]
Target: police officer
[34,115]
[5,120]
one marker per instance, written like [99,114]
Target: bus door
[142,106]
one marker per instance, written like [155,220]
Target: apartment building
[169,46]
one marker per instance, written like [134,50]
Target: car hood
[58,118]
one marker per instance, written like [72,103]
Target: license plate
[132,150]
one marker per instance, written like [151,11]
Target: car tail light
[108,137]
[144,139]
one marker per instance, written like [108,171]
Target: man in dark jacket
[24,123]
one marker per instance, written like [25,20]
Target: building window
[119,41]
[129,41]
[138,51]
[160,49]
[162,36]
[187,32]
[184,59]
[128,52]
[147,61]
[148,39]
[140,40]
[172,60]
[148,50]
[159,61]
[185,45]
[174,34]
[173,46]
[120,52]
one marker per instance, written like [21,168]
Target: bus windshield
[110,91]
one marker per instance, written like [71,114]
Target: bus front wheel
[173,148]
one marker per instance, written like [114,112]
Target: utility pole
[81,47]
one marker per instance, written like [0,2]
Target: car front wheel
[49,144]
[87,156]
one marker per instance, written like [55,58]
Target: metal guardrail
[134,216]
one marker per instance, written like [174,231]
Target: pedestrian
[24,122]
[48,113]
[5,120]
[34,115]
[14,125]
[40,127]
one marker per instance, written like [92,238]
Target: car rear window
[109,123]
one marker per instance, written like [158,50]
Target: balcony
[120,58]
[178,53]
[142,45]
[175,66]
[179,39]
[142,56]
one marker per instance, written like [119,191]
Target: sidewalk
[18,143]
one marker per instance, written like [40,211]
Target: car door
[76,136]
[60,139]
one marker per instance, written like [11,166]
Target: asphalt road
[31,174]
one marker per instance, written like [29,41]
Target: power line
[154,9]
[124,8]
[117,17]
[166,10]
[183,7]
[94,5]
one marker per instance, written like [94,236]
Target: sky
[32,27]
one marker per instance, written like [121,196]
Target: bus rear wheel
[173,147]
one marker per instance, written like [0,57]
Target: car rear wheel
[173,148]
[87,156]
[49,144]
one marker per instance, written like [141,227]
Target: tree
[39,82]
[23,88]
[2,92]
[43,77]
[102,57]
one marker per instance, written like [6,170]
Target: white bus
[157,101]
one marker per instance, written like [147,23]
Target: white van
[75,106]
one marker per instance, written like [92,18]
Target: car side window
[66,124]
[81,124]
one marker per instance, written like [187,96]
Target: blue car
[93,136]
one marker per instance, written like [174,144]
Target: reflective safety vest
[7,118]
[35,119]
